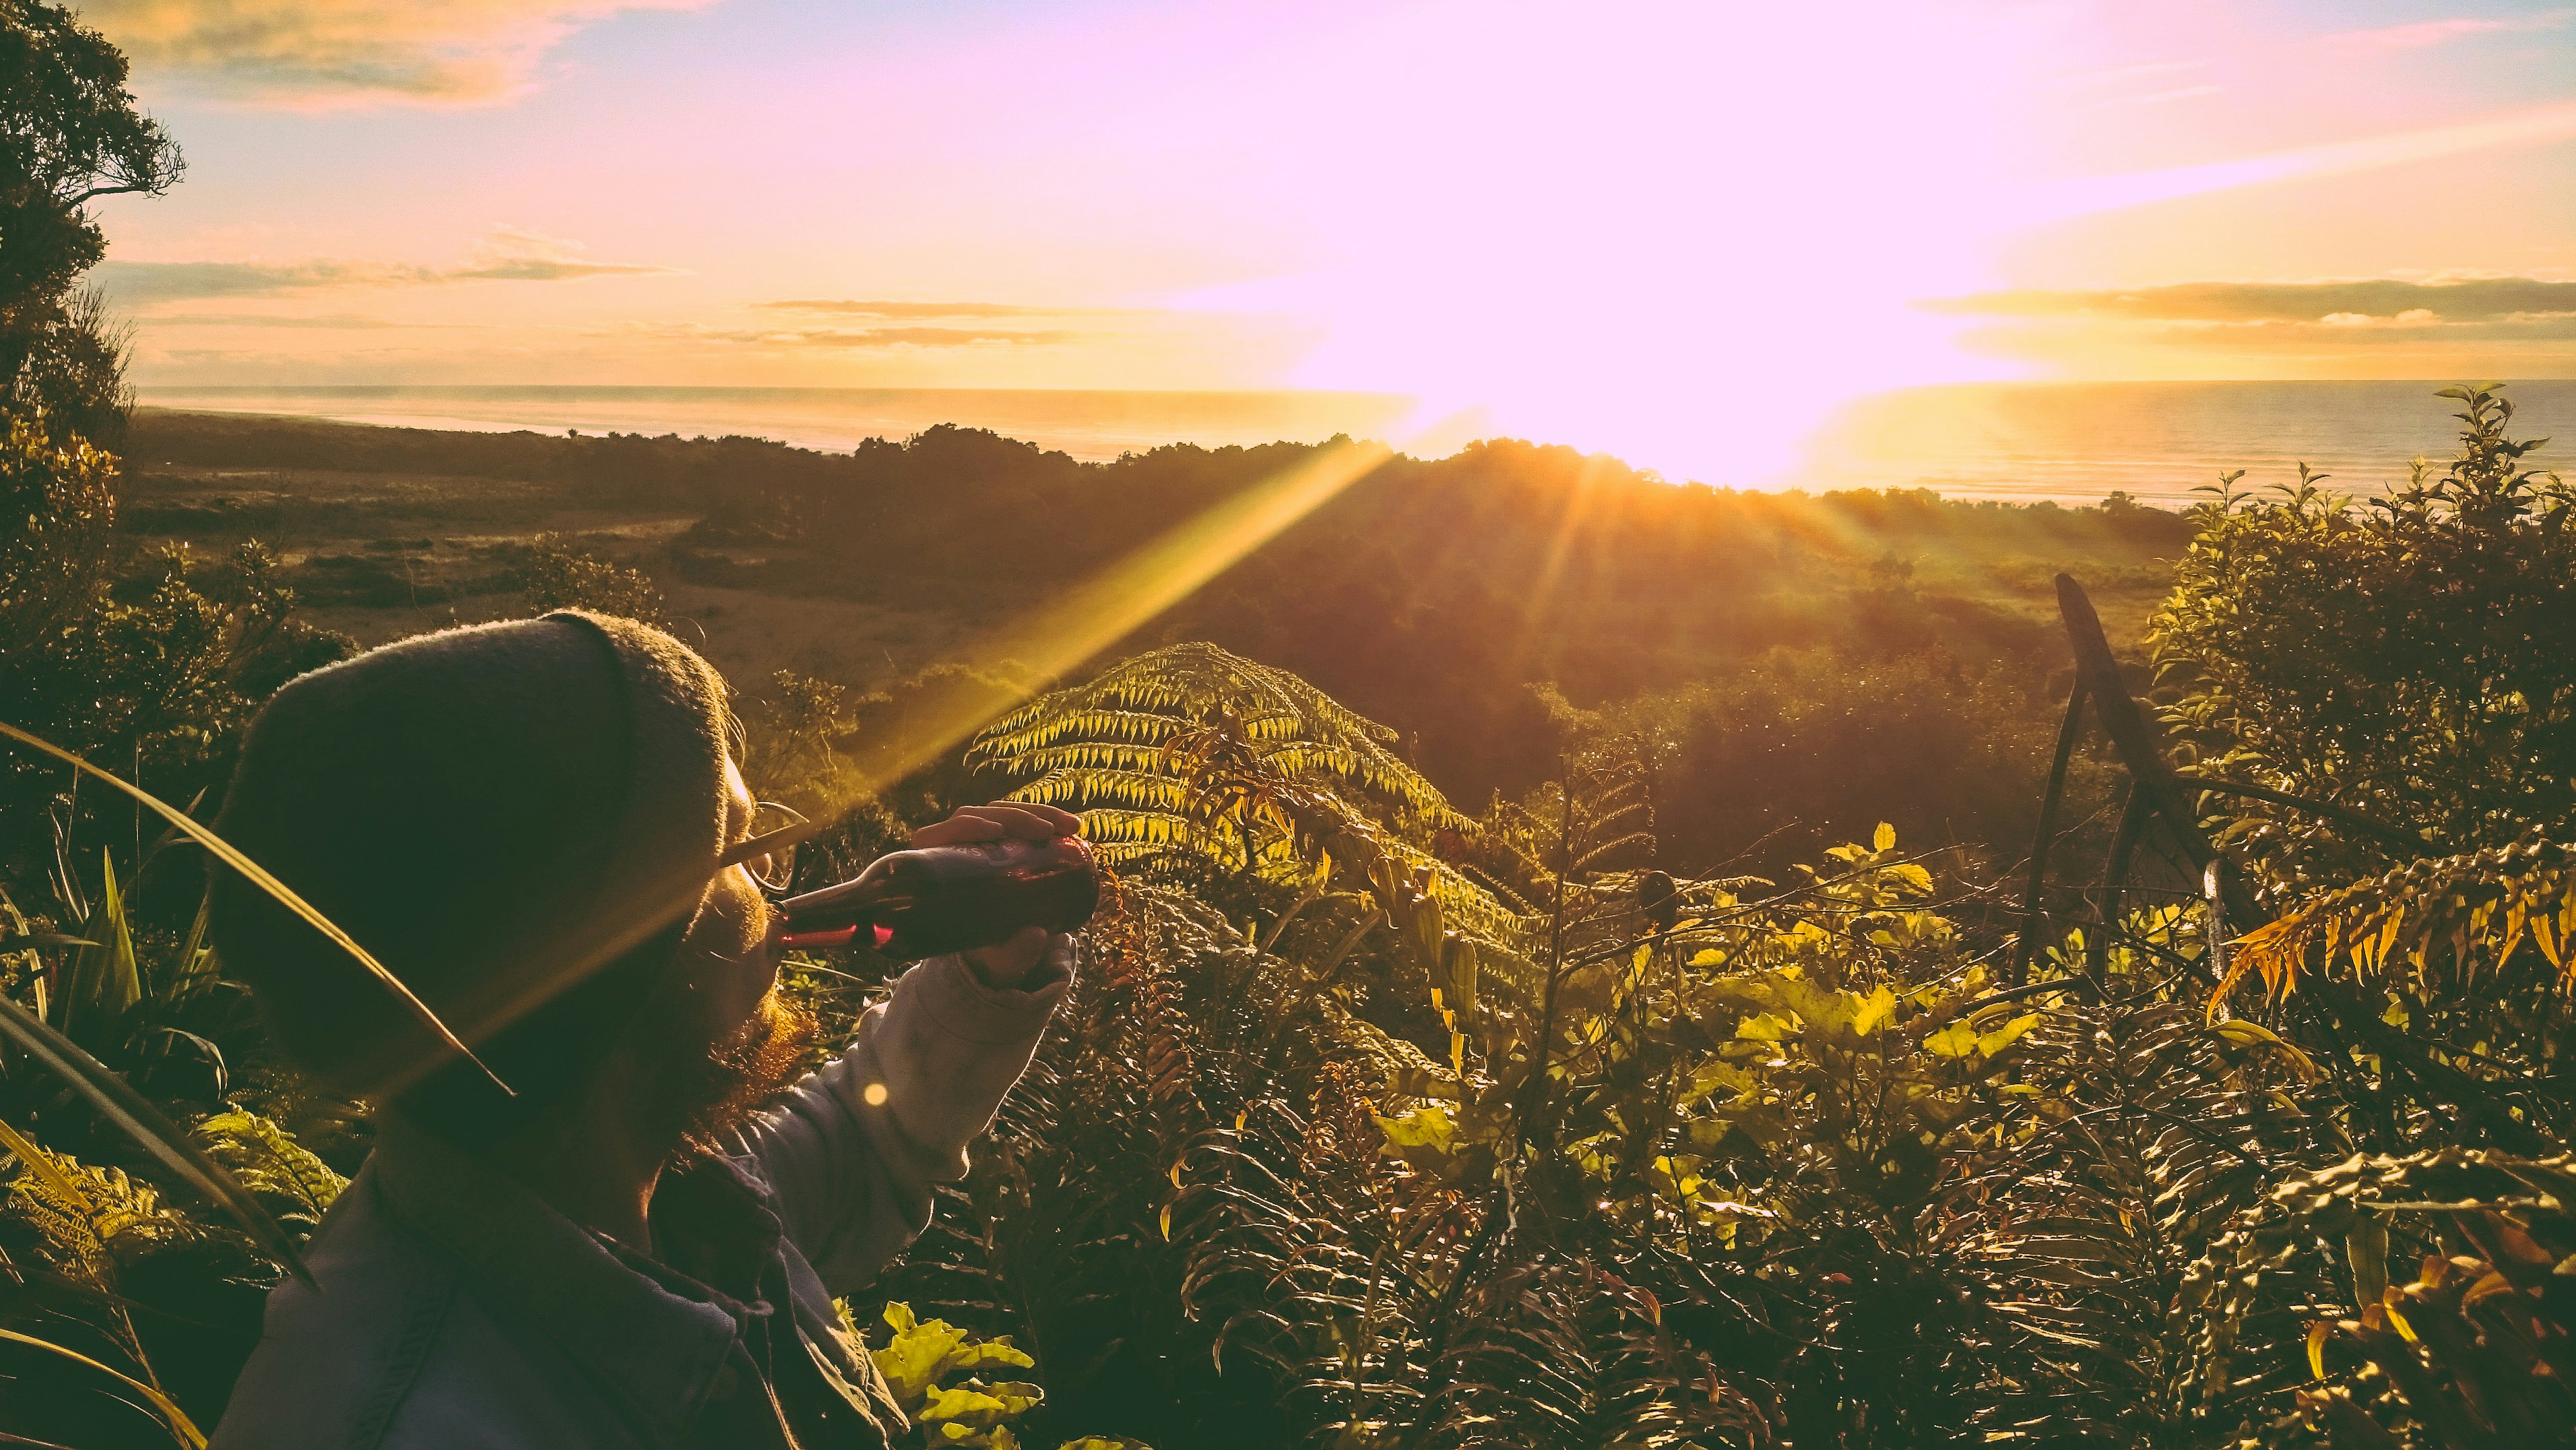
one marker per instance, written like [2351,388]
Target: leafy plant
[557,575]
[2472,1352]
[919,1362]
[1190,745]
[2407,658]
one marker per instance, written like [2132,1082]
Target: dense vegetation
[1534,1112]
[1489,605]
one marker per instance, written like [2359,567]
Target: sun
[1679,232]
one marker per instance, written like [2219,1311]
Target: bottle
[928,903]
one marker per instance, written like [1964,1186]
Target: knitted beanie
[478,808]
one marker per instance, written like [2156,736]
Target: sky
[1678,231]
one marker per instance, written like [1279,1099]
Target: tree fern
[1191,751]
[1123,718]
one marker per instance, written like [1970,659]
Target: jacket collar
[655,1349]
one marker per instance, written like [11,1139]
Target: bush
[2412,658]
[558,576]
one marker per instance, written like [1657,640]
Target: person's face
[726,1043]
[732,950]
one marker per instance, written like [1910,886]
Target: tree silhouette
[70,132]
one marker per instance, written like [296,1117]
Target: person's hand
[1004,964]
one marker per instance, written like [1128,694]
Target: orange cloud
[908,310]
[2472,299]
[508,254]
[314,53]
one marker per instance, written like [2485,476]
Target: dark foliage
[69,133]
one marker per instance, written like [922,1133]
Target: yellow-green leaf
[1425,1127]
[2006,1035]
[1762,1027]
[1875,1011]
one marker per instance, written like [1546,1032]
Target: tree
[70,132]
[150,660]
[1193,753]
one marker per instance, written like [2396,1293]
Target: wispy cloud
[2151,98]
[2123,75]
[2458,317]
[2425,34]
[336,321]
[151,284]
[2534,125]
[855,339]
[2474,299]
[507,254]
[516,254]
[2352,333]
[895,311]
[340,52]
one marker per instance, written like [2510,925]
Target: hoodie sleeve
[851,1152]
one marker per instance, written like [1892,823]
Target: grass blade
[40,1163]
[258,876]
[182,1428]
[166,1141]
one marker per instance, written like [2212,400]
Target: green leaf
[118,1102]
[259,876]
[1763,1027]
[266,1158]
[181,1427]
[1876,1011]
[2005,1036]
[2366,1249]
[912,1360]
[1426,1128]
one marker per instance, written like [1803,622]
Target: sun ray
[1041,645]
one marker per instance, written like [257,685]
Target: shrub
[557,575]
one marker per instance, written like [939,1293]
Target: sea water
[2076,442]
[2072,442]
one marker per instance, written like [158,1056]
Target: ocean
[2076,442]
[2071,442]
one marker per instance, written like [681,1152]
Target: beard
[713,1087]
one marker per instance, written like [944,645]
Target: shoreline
[2073,443]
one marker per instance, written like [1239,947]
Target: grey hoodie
[455,1309]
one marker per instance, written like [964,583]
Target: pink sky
[1680,231]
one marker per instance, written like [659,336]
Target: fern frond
[2445,920]
[1107,789]
[268,1160]
[84,1212]
[1147,700]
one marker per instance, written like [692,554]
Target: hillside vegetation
[1554,1118]
[1488,605]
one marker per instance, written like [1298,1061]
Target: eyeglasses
[775,869]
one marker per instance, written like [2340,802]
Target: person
[635,1236]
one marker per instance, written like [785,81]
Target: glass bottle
[928,903]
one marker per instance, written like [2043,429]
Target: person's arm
[851,1152]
